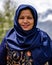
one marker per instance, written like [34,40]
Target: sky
[1,3]
[40,5]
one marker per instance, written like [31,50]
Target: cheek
[20,22]
[32,23]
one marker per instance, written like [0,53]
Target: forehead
[25,12]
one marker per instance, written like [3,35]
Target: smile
[25,26]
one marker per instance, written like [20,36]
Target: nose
[25,20]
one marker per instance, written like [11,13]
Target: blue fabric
[35,40]
[20,39]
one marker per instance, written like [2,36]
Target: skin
[26,20]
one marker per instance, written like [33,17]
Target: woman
[25,44]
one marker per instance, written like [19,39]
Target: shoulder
[9,32]
[43,34]
[45,38]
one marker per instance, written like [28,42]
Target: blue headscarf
[23,40]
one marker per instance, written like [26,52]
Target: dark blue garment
[35,40]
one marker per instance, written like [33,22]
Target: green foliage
[6,17]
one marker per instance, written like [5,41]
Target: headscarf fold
[20,39]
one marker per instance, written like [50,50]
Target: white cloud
[1,5]
[40,5]
[49,17]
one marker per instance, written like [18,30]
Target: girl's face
[26,20]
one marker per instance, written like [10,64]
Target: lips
[25,25]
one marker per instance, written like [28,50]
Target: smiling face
[26,20]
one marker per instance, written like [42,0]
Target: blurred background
[8,8]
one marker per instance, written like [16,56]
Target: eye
[29,17]
[21,17]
